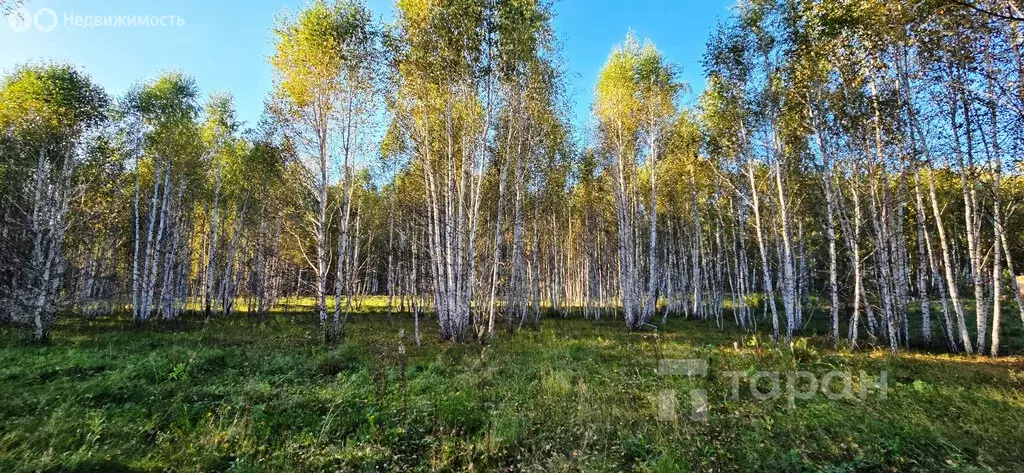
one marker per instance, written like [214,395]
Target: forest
[845,191]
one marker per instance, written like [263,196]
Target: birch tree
[322,62]
[635,106]
[48,113]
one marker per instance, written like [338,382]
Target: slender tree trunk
[789,283]
[954,296]
[136,313]
[769,292]
[923,273]
[498,233]
[212,251]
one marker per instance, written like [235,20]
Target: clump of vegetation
[340,359]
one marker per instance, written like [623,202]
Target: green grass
[234,395]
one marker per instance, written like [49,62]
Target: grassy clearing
[231,395]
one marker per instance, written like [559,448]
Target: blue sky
[225,45]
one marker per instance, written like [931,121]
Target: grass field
[233,395]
